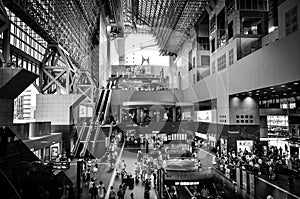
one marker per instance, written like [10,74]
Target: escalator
[78,146]
[92,142]
[97,148]
[183,192]
[81,140]
[99,101]
[105,107]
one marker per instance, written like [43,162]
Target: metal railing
[76,146]
[82,153]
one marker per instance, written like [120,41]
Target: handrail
[107,105]
[75,148]
[82,153]
[101,105]
[99,102]
[279,188]
[169,196]
[187,189]
[96,137]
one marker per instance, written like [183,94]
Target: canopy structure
[170,21]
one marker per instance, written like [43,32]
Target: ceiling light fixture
[296,83]
[272,88]
[283,86]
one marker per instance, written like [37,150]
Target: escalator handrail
[107,105]
[82,153]
[169,196]
[75,148]
[187,189]
[96,137]
[101,105]
[99,102]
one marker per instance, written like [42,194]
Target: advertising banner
[244,144]
[204,116]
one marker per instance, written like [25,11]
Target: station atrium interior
[149,99]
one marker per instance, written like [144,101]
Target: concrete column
[174,113]
[121,50]
[142,115]
[158,116]
[6,44]
[138,115]
[6,110]
[108,57]
[172,72]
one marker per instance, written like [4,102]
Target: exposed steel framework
[67,23]
[66,28]
[170,21]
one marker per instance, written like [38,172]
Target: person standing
[101,190]
[93,191]
[204,192]
[95,171]
[112,193]
[154,177]
[131,196]
[147,146]
[120,192]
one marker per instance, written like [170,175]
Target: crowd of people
[273,163]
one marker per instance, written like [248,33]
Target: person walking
[93,191]
[112,193]
[121,192]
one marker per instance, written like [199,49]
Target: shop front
[46,148]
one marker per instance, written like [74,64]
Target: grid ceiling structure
[69,23]
[170,21]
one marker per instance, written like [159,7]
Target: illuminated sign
[277,120]
[186,183]
[204,116]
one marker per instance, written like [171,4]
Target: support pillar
[174,113]
[142,115]
[6,44]
[138,115]
[158,116]
[5,30]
